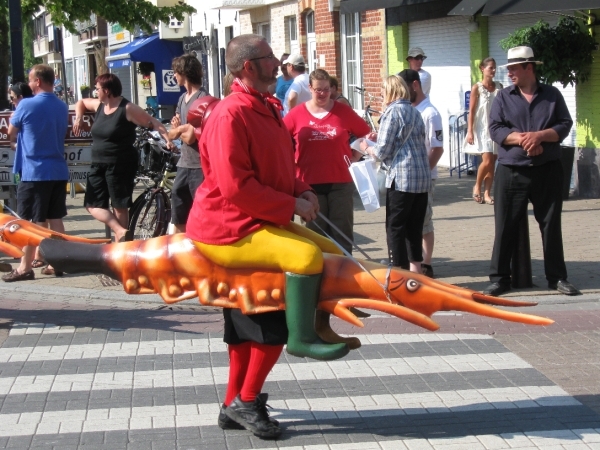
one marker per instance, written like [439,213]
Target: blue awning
[148,49]
[119,63]
[155,50]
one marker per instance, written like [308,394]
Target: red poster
[70,138]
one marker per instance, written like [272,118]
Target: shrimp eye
[14,227]
[412,285]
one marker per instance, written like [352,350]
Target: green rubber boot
[301,296]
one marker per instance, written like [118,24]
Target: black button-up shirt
[511,112]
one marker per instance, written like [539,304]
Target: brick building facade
[310,28]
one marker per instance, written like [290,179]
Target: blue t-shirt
[282,86]
[42,121]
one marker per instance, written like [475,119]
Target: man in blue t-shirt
[58,87]
[37,132]
[284,81]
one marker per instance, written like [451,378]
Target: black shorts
[114,182]
[265,328]
[184,190]
[41,200]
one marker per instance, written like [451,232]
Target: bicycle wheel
[151,218]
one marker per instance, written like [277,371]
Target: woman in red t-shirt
[321,129]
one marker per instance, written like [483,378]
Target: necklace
[489,88]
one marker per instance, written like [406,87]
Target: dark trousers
[338,206]
[404,215]
[514,187]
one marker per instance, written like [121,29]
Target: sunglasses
[322,91]
[419,57]
[269,56]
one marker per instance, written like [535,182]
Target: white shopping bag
[365,179]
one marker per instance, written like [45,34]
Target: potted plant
[566,51]
[146,83]
[145,68]
[85,90]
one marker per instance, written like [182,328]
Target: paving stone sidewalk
[75,375]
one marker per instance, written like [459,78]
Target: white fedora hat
[518,55]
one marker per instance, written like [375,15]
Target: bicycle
[150,213]
[368,111]
[153,109]
[70,96]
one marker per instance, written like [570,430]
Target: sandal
[489,202]
[50,271]
[478,198]
[14,275]
[37,263]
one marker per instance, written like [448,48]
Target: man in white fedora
[528,121]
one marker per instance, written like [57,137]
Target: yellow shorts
[293,248]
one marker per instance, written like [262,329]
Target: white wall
[499,28]
[446,43]
[71,45]
[204,21]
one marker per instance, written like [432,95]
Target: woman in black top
[114,158]
[18,92]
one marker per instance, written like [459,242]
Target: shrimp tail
[73,257]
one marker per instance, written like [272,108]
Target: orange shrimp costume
[173,267]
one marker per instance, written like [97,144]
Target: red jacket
[248,163]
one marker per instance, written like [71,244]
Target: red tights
[249,365]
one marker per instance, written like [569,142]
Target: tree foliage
[128,13]
[566,50]
[4,54]
[28,38]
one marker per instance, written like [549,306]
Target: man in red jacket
[241,218]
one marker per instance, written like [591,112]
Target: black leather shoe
[496,289]
[254,416]
[564,287]
[427,270]
[225,423]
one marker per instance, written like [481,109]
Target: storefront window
[352,58]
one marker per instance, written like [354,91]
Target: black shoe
[427,270]
[13,275]
[225,423]
[254,416]
[496,289]
[564,287]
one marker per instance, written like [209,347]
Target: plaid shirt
[401,147]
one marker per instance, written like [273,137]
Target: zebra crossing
[63,387]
